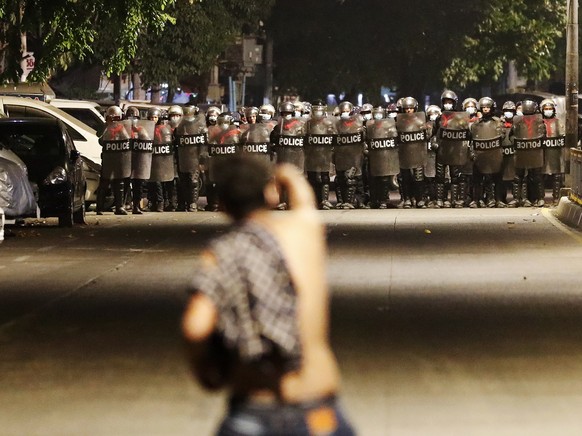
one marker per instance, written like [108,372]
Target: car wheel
[79,216]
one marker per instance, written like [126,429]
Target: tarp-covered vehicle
[17,198]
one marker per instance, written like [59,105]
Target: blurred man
[257,321]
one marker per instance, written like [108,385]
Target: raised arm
[290,179]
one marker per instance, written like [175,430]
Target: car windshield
[32,141]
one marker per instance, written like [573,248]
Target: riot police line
[450,155]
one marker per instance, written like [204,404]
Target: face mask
[265,117]
[471,110]
[519,113]
[345,115]
[508,115]
[378,116]
[433,117]
[448,106]
[549,114]
[297,114]
[306,116]
[288,116]
[367,116]
[392,115]
[212,118]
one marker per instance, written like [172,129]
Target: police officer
[528,132]
[508,165]
[554,149]
[487,135]
[163,167]
[321,136]
[349,153]
[115,159]
[142,132]
[433,112]
[413,135]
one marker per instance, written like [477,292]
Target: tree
[62,31]
[415,46]
[525,32]
[187,49]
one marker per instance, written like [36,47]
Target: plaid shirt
[253,293]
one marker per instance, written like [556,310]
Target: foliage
[526,32]
[67,30]
[201,32]
[415,46]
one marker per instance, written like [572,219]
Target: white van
[84,137]
[86,111]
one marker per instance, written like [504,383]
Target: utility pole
[572,75]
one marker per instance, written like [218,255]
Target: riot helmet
[191,110]
[266,112]
[409,104]
[287,108]
[378,113]
[449,100]
[345,109]
[306,109]
[113,113]
[299,108]
[318,109]
[548,108]
[508,109]
[392,110]
[154,114]
[470,105]
[175,114]
[225,119]
[518,108]
[251,114]
[399,105]
[529,107]
[211,115]
[487,106]
[132,113]
[366,111]
[433,112]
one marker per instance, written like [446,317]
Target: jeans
[323,417]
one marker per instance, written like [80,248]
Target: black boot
[118,195]
[136,193]
[557,183]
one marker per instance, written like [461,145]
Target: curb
[569,213]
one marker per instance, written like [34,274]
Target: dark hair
[240,185]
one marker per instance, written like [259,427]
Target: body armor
[349,149]
[226,144]
[256,142]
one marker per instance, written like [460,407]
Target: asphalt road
[445,322]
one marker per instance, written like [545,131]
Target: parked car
[85,138]
[17,198]
[88,112]
[55,167]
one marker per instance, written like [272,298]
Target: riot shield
[528,132]
[412,140]
[142,147]
[116,152]
[290,142]
[486,144]
[163,155]
[256,142]
[508,164]
[349,146]
[225,146]
[554,145]
[190,135]
[321,137]
[382,138]
[453,132]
